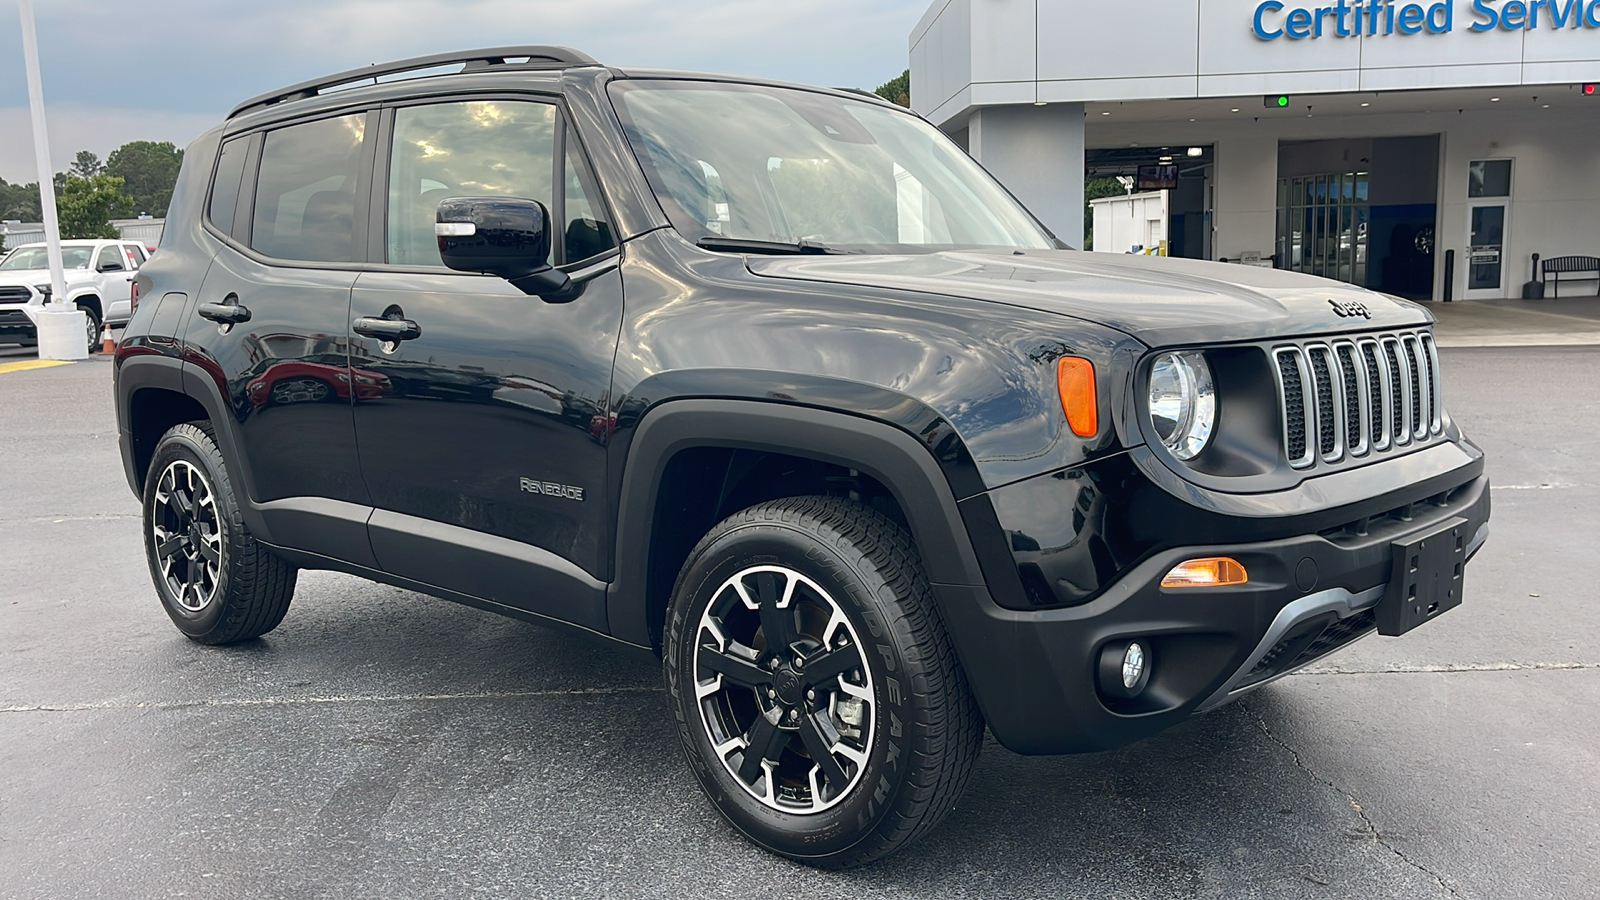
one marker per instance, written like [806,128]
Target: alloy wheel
[188,535]
[784,693]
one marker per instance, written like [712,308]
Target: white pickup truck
[99,276]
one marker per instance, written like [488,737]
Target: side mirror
[110,267]
[504,236]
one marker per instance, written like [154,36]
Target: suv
[99,277]
[777,383]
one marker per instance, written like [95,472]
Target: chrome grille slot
[1377,391]
[1356,402]
[1436,394]
[1357,396]
[1329,402]
[1291,391]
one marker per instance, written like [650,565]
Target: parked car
[99,280]
[777,383]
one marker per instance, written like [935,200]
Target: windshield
[35,258]
[746,162]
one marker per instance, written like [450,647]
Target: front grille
[15,294]
[1367,394]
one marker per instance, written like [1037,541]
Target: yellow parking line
[22,365]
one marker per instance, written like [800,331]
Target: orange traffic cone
[107,345]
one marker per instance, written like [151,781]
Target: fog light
[1208,572]
[1124,668]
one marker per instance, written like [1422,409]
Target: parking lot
[384,744]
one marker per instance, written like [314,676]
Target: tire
[215,581]
[92,329]
[900,725]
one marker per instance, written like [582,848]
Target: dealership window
[1323,225]
[1489,178]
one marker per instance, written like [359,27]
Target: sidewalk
[1517,323]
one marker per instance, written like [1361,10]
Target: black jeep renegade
[776,382]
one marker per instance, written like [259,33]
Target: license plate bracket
[1426,577]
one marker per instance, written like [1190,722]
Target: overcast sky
[165,70]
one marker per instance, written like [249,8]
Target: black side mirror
[110,267]
[504,236]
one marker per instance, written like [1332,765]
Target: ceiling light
[1197,151]
[1039,103]
[1191,120]
[1366,104]
[1235,109]
[1547,106]
[1107,113]
[1494,99]
[1165,159]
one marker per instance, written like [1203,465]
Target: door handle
[225,313]
[387,330]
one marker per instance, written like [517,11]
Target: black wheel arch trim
[894,457]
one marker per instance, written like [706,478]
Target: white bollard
[63,332]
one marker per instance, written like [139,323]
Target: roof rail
[866,93]
[537,57]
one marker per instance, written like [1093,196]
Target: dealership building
[1412,147]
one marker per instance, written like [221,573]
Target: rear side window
[305,197]
[135,255]
[225,189]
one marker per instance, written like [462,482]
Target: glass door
[1488,211]
[1323,225]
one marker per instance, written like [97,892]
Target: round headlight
[1183,403]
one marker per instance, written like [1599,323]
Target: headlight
[43,290]
[1183,403]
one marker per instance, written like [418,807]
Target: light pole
[60,325]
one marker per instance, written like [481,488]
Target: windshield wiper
[747,245]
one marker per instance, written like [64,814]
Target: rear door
[272,320]
[483,440]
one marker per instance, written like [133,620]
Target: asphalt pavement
[384,744]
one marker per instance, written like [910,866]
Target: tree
[148,170]
[86,206]
[20,202]
[85,165]
[897,89]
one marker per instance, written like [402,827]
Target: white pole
[41,153]
[60,326]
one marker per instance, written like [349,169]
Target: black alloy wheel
[216,582]
[818,698]
[300,390]
[784,694]
[187,535]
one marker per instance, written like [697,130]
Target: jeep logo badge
[1349,309]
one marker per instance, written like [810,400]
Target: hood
[40,276]
[1160,301]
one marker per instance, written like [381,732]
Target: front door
[485,449]
[1488,217]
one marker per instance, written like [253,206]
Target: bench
[1586,268]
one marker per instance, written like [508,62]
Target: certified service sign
[1273,19]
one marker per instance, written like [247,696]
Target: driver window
[109,257]
[477,148]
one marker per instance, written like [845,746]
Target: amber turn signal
[1208,572]
[1075,381]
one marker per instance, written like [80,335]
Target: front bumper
[1034,670]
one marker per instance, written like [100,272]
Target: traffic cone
[107,345]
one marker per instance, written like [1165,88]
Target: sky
[165,70]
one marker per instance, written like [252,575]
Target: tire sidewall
[190,444]
[837,829]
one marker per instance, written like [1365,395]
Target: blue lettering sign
[1375,18]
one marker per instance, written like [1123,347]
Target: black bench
[1586,268]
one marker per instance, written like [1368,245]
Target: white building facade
[1414,147]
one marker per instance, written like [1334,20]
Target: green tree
[148,171]
[1094,189]
[85,165]
[86,206]
[897,89]
[20,202]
